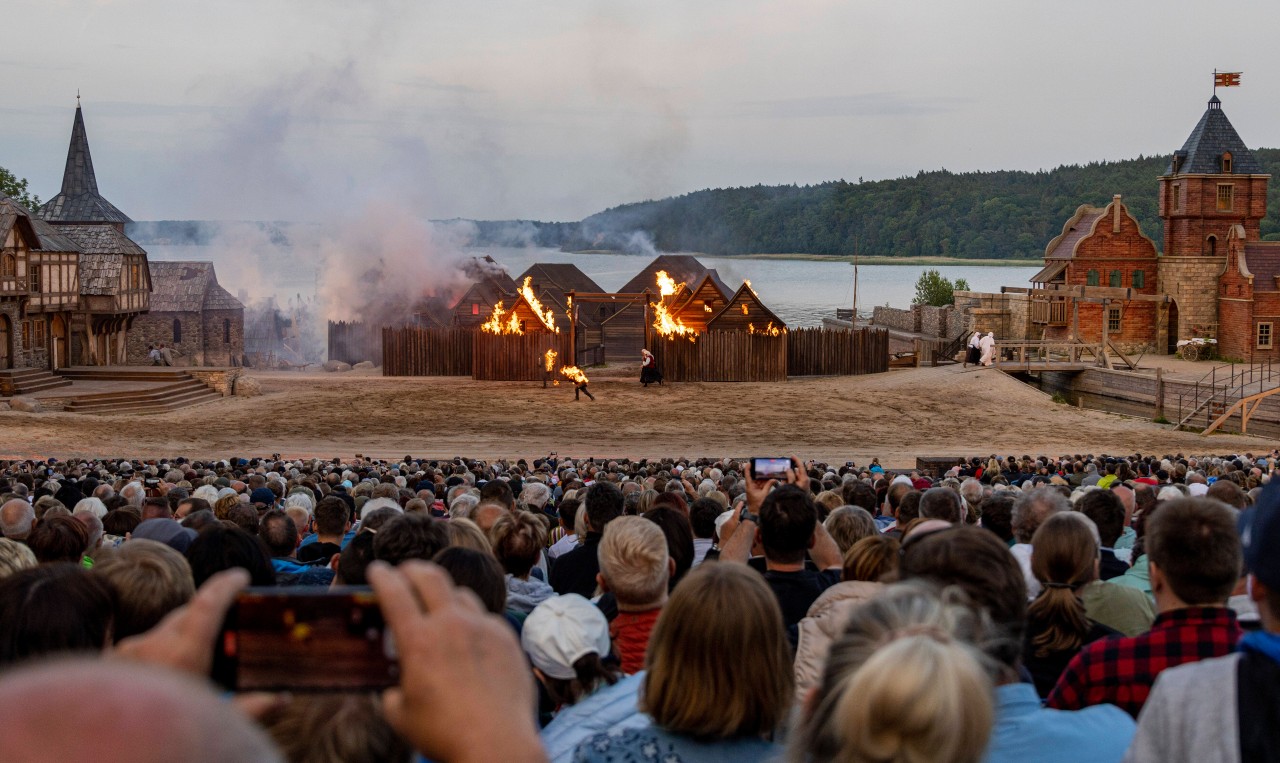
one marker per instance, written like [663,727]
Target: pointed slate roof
[79,200]
[1212,137]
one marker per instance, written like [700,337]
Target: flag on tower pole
[1226,79]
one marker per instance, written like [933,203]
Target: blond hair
[14,557]
[634,561]
[467,534]
[150,579]
[698,682]
[906,683]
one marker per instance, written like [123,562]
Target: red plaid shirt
[1120,670]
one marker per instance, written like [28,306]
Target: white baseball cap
[562,630]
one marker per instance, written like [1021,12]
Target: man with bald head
[1128,536]
[17,517]
[116,705]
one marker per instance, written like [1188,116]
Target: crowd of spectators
[1072,608]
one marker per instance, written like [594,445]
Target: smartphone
[770,468]
[323,639]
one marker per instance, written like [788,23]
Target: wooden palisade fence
[837,352]
[355,341]
[415,351]
[517,357]
[723,356]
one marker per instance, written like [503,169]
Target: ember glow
[770,330]
[500,323]
[550,360]
[575,373]
[544,315]
[663,322]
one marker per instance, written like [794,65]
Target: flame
[770,330]
[544,315]
[550,357]
[499,325]
[666,284]
[568,304]
[575,373]
[707,308]
[744,308]
[663,322]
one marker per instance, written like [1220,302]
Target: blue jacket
[1025,731]
[607,708]
[293,572]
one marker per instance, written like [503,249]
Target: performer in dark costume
[580,385]
[649,373]
[973,354]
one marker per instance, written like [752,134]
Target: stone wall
[221,380]
[158,327]
[935,321]
[219,326]
[895,318]
[1192,282]
[10,311]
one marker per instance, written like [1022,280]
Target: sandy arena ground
[896,416]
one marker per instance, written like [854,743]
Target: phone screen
[770,468]
[277,639]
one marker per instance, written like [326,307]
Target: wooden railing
[590,356]
[1021,353]
[1050,312]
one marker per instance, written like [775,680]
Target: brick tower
[1211,184]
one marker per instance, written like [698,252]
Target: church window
[177,331]
[226,331]
[1139,279]
[1226,163]
[1093,278]
[1115,279]
[1264,335]
[1113,320]
[1226,197]
[8,266]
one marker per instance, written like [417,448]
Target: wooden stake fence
[354,342]
[518,357]
[837,352]
[413,351]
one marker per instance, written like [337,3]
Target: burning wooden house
[623,333]
[745,312]
[552,283]
[491,285]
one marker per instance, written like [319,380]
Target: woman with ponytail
[1065,554]
[906,683]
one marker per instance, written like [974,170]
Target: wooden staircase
[25,381]
[168,389]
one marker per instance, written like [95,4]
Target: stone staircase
[26,381]
[166,389]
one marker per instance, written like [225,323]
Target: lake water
[801,292]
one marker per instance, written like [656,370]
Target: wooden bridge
[1227,391]
[1030,356]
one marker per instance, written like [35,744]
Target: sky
[553,110]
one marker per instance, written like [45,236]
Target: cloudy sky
[300,109]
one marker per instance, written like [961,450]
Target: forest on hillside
[997,215]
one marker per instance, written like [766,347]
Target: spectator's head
[982,566]
[674,524]
[702,517]
[942,503]
[219,547]
[278,531]
[152,508]
[697,684]
[567,640]
[478,571]
[849,524]
[634,563]
[150,580]
[335,727]
[906,667]
[997,515]
[1229,493]
[59,539]
[1106,511]
[517,540]
[410,536]
[860,494]
[355,559]
[15,556]
[604,504]
[488,512]
[189,506]
[500,491]
[1194,553]
[96,506]
[17,517]
[787,521]
[873,559]
[1260,537]
[39,699]
[1064,558]
[333,517]
[1034,507]
[52,609]
[467,534]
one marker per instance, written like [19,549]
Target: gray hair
[373,504]
[535,496]
[1033,507]
[133,493]
[463,506]
[16,519]
[93,506]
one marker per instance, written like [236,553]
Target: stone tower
[1211,184]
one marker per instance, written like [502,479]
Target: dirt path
[896,416]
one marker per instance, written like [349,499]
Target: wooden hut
[622,333]
[745,312]
[491,285]
[696,306]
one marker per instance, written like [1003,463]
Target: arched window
[1093,278]
[1226,162]
[1139,279]
[177,331]
[1212,245]
[1115,279]
[226,331]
